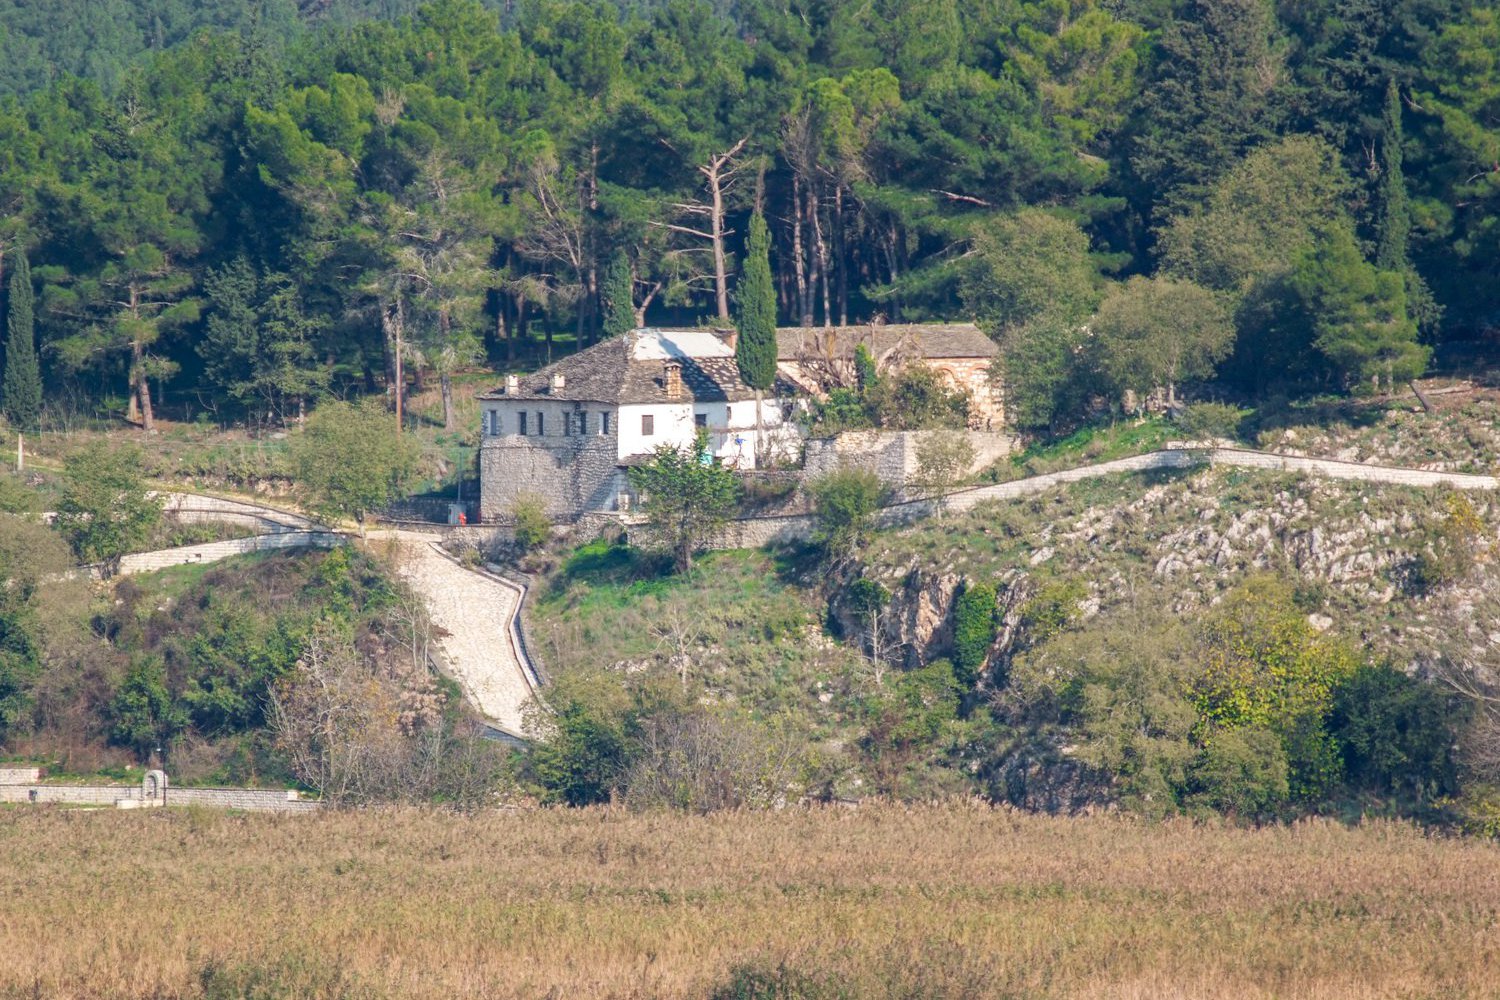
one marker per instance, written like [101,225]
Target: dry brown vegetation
[936,901]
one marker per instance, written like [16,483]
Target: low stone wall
[754,532]
[527,648]
[150,562]
[1334,469]
[85,795]
[20,775]
[200,505]
[247,799]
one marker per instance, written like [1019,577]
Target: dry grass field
[953,900]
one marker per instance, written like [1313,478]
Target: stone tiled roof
[925,340]
[609,373]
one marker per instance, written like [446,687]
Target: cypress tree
[21,390]
[756,348]
[619,297]
[1394,222]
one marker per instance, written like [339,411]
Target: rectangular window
[583,422]
[567,422]
[495,423]
[541,424]
[700,420]
[648,425]
[521,428]
[604,423]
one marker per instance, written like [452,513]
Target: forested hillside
[1128,194]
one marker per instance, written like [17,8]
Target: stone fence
[150,562]
[753,532]
[197,507]
[153,790]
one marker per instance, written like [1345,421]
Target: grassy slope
[943,901]
[756,637]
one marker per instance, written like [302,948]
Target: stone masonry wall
[972,375]
[150,562]
[572,475]
[892,455]
[248,799]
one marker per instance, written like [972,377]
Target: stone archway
[154,787]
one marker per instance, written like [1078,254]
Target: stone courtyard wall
[892,455]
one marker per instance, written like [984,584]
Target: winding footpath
[475,613]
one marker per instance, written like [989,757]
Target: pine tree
[21,391]
[756,348]
[619,297]
[1394,222]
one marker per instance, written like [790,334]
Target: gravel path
[473,612]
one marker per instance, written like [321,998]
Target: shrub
[533,527]
[845,503]
[1211,421]
[1397,733]
[943,459]
[1243,772]
[1051,609]
[917,399]
[1449,556]
[973,631]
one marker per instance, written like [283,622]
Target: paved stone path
[476,614]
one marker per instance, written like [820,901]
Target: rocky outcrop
[1189,540]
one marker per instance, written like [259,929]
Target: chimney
[672,370]
[559,381]
[730,337]
[512,384]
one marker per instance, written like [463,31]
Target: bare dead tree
[678,631]
[720,171]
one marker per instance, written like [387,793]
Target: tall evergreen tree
[619,297]
[21,391]
[1393,225]
[755,349]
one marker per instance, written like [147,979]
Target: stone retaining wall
[754,532]
[892,455]
[150,562]
[173,503]
[526,644]
[247,799]
[1335,469]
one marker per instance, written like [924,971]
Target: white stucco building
[568,432]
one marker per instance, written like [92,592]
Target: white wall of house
[731,427]
[671,423]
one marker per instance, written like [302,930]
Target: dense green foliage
[755,350]
[351,461]
[845,502]
[237,206]
[973,631]
[21,386]
[687,498]
[105,509]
